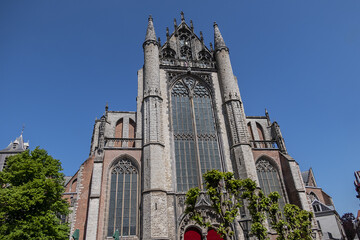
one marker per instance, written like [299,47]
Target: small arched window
[119,132]
[123,203]
[132,127]
[261,135]
[269,179]
[250,131]
[73,185]
[260,132]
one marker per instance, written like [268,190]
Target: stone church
[189,119]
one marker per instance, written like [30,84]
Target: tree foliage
[347,221]
[227,196]
[31,188]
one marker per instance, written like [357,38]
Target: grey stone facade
[148,138]
[13,148]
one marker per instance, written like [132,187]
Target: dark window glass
[269,179]
[195,136]
[123,199]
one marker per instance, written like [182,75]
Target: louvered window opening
[123,199]
[195,135]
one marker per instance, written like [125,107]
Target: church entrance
[194,234]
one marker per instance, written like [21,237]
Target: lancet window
[269,179]
[123,199]
[185,44]
[195,135]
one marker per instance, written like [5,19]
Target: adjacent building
[190,118]
[327,218]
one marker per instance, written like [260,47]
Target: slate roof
[16,146]
[305,176]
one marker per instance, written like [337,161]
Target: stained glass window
[123,199]
[269,179]
[195,135]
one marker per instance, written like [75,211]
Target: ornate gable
[184,48]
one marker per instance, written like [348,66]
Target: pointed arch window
[250,131]
[269,179]
[132,128]
[119,131]
[260,132]
[195,135]
[123,199]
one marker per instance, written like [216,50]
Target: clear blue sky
[61,61]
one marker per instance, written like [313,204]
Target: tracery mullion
[197,156]
[130,193]
[122,206]
[112,205]
[210,142]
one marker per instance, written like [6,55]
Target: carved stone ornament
[124,166]
[264,166]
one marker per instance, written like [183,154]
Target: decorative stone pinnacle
[106,107]
[191,25]
[167,31]
[150,32]
[182,16]
[175,24]
[201,37]
[218,39]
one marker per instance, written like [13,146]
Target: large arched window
[269,179]
[195,135]
[123,199]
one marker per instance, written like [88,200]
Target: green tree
[227,196]
[31,188]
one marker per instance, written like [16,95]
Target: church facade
[189,119]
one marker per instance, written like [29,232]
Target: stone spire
[150,32]
[218,39]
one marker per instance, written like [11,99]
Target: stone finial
[175,27]
[182,16]
[218,39]
[159,41]
[201,37]
[150,32]
[191,25]
[106,107]
[211,47]
[267,117]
